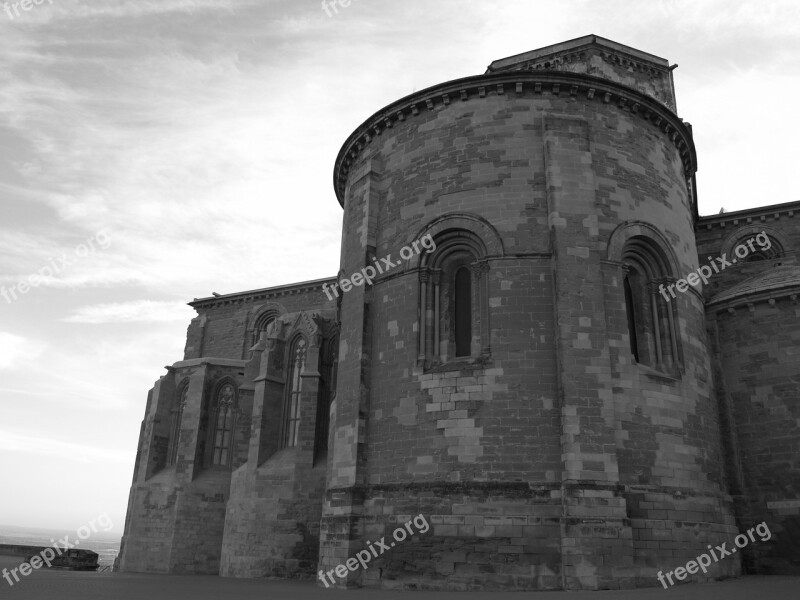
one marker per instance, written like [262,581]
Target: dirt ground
[71,585]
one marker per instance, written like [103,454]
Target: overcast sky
[153,151]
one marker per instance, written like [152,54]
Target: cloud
[16,350]
[52,258]
[179,151]
[132,312]
[201,134]
[90,372]
[24,444]
[62,11]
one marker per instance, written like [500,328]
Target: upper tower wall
[599,57]
[528,364]
[632,82]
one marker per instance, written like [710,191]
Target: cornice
[760,214]
[517,84]
[216,362]
[261,294]
[750,300]
[572,50]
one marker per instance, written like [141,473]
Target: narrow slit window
[463,311]
[629,310]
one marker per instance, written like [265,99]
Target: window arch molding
[260,320]
[648,257]
[486,237]
[454,292]
[452,242]
[647,263]
[778,241]
[641,229]
[222,429]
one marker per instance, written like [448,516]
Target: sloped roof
[572,45]
[777,278]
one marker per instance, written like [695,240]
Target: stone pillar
[186,465]
[309,396]
[596,545]
[157,426]
[267,398]
[340,534]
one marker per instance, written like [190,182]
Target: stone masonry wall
[176,512]
[754,340]
[221,328]
[278,492]
[559,403]
[758,351]
[715,234]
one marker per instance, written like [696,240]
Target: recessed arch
[650,315]
[181,399]
[472,230]
[650,257]
[261,318]
[641,229]
[778,241]
[297,351]
[454,292]
[224,412]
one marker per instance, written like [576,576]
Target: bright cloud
[201,135]
[131,312]
[16,350]
[62,450]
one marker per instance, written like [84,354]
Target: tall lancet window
[175,428]
[224,410]
[652,318]
[291,411]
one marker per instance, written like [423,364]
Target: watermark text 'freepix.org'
[370,272]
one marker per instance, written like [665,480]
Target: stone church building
[584,384]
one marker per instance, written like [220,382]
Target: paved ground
[70,585]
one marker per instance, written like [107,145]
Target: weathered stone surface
[541,452]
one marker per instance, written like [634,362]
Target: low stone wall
[19,550]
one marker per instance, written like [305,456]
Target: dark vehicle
[74,560]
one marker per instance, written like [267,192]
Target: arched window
[454,300]
[291,412]
[754,248]
[175,427]
[262,324]
[224,416]
[651,318]
[751,246]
